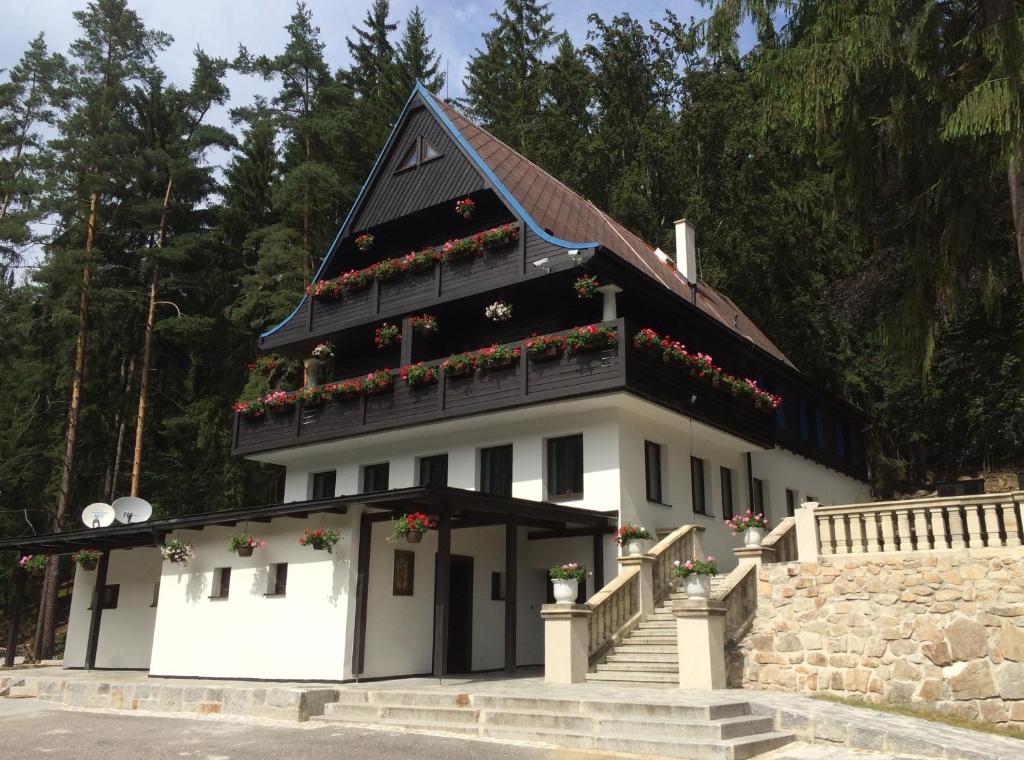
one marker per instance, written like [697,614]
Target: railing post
[566,642]
[992,525]
[1010,523]
[700,633]
[973,526]
[645,581]
[807,532]
[757,555]
[903,528]
[921,530]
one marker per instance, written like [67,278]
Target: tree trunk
[71,435]
[121,423]
[307,250]
[147,345]
[1015,175]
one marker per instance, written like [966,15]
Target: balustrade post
[939,528]
[871,528]
[566,642]
[842,542]
[992,525]
[903,528]
[956,527]
[807,532]
[644,581]
[973,526]
[700,634]
[756,555]
[856,534]
[1010,523]
[888,541]
[921,530]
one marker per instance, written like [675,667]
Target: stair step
[645,679]
[20,692]
[636,647]
[420,726]
[621,654]
[641,667]
[652,641]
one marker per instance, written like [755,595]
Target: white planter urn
[637,546]
[753,536]
[697,586]
[565,589]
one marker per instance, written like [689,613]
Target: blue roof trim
[348,217]
[482,165]
[428,98]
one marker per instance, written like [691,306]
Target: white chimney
[686,250]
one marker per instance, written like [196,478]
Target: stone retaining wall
[942,629]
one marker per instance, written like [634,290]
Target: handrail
[928,501]
[616,610]
[739,592]
[782,542]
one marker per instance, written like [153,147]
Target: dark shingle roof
[569,216]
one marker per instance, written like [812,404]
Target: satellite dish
[132,509]
[98,515]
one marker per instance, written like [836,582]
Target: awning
[467,509]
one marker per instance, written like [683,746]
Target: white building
[522,466]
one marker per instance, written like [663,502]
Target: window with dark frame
[699,492]
[278,579]
[323,484]
[758,495]
[434,470]
[109,597]
[221,583]
[565,467]
[652,467]
[790,502]
[496,470]
[375,477]
[727,501]
[497,586]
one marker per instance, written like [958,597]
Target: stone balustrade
[989,521]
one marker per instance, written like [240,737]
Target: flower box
[387,270]
[590,338]
[418,375]
[326,290]
[495,357]
[459,365]
[378,382]
[461,250]
[498,237]
[545,348]
[357,279]
[251,409]
[420,261]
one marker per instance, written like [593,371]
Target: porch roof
[469,508]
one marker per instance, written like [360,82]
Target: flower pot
[283,409]
[549,354]
[697,586]
[245,551]
[638,546]
[565,589]
[413,537]
[499,366]
[753,536]
[88,564]
[458,374]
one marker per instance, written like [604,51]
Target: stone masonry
[940,629]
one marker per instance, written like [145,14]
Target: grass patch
[926,714]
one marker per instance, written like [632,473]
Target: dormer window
[419,152]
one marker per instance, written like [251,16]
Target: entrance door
[460,615]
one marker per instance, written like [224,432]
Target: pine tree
[505,79]
[28,103]
[415,61]
[114,50]
[373,58]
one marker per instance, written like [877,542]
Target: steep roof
[570,216]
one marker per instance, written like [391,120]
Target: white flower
[499,311]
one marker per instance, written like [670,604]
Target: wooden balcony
[619,368]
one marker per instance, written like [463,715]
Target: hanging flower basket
[465,207]
[387,335]
[544,348]
[418,375]
[323,350]
[411,527]
[364,242]
[178,552]
[586,286]
[425,324]
[87,559]
[499,311]
[459,365]
[251,408]
[377,382]
[321,539]
[496,357]
[280,402]
[34,564]
[244,544]
[590,338]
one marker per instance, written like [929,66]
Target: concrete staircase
[649,654]
[709,729]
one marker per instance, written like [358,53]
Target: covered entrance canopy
[453,508]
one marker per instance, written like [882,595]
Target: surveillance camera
[541,262]
[574,252]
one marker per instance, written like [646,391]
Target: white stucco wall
[126,633]
[302,635]
[782,469]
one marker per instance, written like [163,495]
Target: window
[726,491]
[375,477]
[221,583]
[758,495]
[700,503]
[434,470]
[819,428]
[652,463]
[109,597]
[498,587]
[805,420]
[844,441]
[418,152]
[791,501]
[496,470]
[565,467]
[156,594]
[323,484]
[277,580]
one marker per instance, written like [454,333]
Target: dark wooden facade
[411,209]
